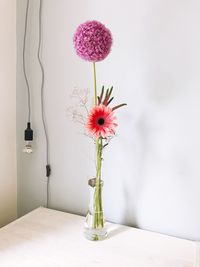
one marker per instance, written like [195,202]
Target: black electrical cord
[48,167]
[24,63]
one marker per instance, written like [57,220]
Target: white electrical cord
[48,169]
[24,63]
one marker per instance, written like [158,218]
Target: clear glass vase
[95,224]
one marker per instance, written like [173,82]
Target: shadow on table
[116,231]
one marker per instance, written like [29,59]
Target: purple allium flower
[92,41]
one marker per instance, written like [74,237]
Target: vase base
[95,234]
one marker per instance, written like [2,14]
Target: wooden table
[46,237]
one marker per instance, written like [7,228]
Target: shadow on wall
[132,197]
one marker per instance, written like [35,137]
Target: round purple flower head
[92,41]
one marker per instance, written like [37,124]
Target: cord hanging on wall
[48,166]
[28,133]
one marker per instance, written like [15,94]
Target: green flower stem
[95,83]
[98,211]
[98,220]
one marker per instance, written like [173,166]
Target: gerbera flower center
[101,121]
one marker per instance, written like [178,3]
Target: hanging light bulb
[28,148]
[28,137]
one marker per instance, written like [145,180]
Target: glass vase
[95,224]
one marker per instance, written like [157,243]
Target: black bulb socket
[28,133]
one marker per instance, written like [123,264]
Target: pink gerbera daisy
[101,121]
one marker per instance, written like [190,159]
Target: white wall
[7,111]
[151,169]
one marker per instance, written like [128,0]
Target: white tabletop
[47,238]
